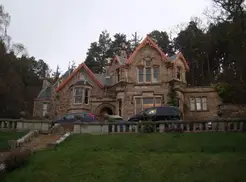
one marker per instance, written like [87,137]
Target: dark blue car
[73,117]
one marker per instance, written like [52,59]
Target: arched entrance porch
[105,108]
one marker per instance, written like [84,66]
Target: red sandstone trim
[149,41]
[180,55]
[90,73]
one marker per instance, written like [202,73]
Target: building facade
[129,85]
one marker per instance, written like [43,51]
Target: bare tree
[18,49]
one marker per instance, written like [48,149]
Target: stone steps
[41,142]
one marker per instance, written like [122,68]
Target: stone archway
[106,110]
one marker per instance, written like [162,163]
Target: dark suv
[158,114]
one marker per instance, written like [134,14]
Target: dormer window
[81,95]
[78,95]
[86,96]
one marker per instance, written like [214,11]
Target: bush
[16,158]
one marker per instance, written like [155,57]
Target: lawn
[5,136]
[187,157]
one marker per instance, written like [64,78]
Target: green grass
[5,136]
[188,157]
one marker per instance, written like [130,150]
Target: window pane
[86,96]
[156,74]
[198,104]
[78,91]
[140,74]
[192,104]
[204,104]
[148,102]
[78,99]
[148,74]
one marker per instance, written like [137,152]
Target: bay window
[86,96]
[81,95]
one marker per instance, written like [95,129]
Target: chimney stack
[123,53]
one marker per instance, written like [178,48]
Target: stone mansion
[129,85]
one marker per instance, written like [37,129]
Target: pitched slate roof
[90,73]
[121,60]
[173,57]
[45,93]
[181,57]
[102,79]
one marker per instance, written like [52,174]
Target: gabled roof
[90,73]
[173,58]
[181,57]
[150,42]
[45,93]
[121,60]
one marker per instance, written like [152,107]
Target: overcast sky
[59,31]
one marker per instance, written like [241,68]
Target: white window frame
[198,103]
[152,69]
[153,75]
[138,71]
[74,96]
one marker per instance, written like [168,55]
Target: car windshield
[143,111]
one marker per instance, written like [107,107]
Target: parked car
[158,114]
[73,117]
[115,118]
